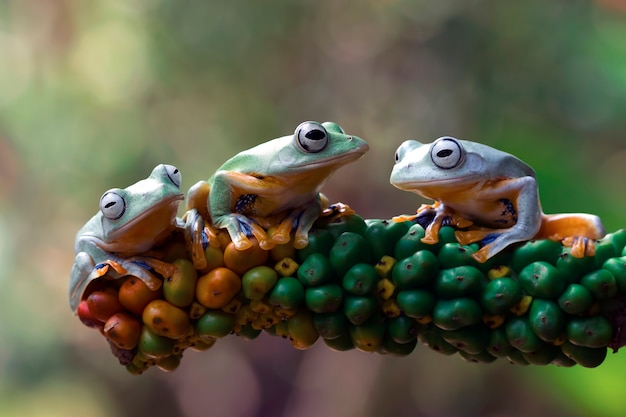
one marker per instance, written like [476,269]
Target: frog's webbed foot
[198,235]
[304,220]
[494,240]
[241,228]
[581,246]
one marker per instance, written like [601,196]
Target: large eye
[447,152]
[112,205]
[311,137]
[174,174]
[405,147]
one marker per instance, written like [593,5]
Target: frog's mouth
[339,159]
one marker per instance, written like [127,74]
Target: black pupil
[444,153]
[315,134]
[109,205]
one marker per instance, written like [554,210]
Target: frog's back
[500,163]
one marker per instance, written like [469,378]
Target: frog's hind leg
[198,197]
[578,230]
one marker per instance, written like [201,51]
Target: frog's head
[445,162]
[139,213]
[317,146]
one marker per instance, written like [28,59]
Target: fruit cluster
[373,285]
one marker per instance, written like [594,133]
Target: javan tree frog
[130,222]
[276,185]
[490,192]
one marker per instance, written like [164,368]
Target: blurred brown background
[94,94]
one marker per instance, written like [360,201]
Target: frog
[490,194]
[273,189]
[130,222]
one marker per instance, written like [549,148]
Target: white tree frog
[276,185]
[490,192]
[130,222]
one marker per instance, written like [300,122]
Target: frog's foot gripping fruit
[375,286]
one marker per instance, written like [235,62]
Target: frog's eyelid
[173,174]
[112,204]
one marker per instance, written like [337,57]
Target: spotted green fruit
[416,303]
[323,299]
[521,336]
[576,299]
[536,250]
[331,325]
[359,308]
[617,267]
[215,323]
[593,332]
[472,339]
[343,224]
[601,284]
[361,279]
[349,249]
[432,338]
[498,344]
[154,346]
[584,356]
[544,356]
[302,332]
[454,254]
[456,313]
[287,293]
[368,336]
[546,319]
[320,241]
[410,242]
[543,280]
[500,295]
[391,347]
[417,270]
[460,281]
[315,270]
[340,344]
[402,329]
[258,281]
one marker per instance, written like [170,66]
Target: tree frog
[491,193]
[276,185]
[130,222]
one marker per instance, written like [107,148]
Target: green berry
[415,271]
[340,344]
[391,347]
[546,319]
[320,241]
[521,336]
[459,281]
[287,293]
[324,298]
[498,345]
[331,325]
[584,356]
[349,249]
[359,308]
[368,336]
[315,270]
[541,279]
[455,254]
[593,332]
[361,279]
[258,281]
[402,329]
[617,267]
[416,303]
[215,323]
[500,295]
[576,299]
[431,337]
[535,250]
[601,284]
[472,339]
[410,243]
[456,313]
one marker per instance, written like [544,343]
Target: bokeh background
[94,94]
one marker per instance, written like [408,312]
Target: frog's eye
[311,137]
[173,174]
[447,152]
[112,205]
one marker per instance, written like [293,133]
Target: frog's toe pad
[581,246]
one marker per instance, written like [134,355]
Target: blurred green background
[94,94]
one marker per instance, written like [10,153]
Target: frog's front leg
[197,236]
[233,215]
[526,209]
